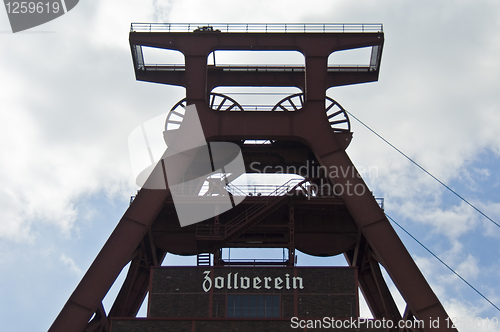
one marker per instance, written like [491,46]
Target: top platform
[316,41]
[258,27]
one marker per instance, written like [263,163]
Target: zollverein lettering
[235,281]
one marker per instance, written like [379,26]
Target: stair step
[203,259]
[250,217]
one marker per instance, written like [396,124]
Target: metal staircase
[253,215]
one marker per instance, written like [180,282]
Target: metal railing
[240,221]
[257,27]
[262,189]
[224,67]
[257,68]
[164,67]
[349,68]
[255,262]
[260,68]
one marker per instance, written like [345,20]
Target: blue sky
[69,101]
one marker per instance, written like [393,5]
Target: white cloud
[65,118]
[256,11]
[71,265]
[69,101]
[451,222]
[468,268]
[469,317]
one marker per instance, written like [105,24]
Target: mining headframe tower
[314,212]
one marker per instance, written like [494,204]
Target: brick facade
[177,292]
[194,299]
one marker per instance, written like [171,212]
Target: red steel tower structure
[317,215]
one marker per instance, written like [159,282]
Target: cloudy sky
[69,101]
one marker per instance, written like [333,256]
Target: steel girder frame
[129,240]
[134,288]
[310,125]
[383,242]
[378,242]
[372,284]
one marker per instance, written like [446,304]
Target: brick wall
[177,292]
